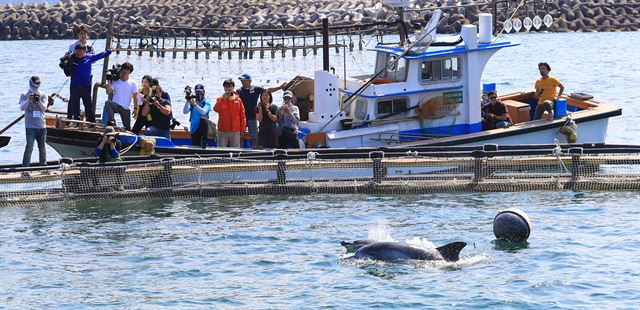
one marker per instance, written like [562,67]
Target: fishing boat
[423,93]
[429,93]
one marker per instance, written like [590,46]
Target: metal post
[105,64]
[494,4]
[281,168]
[379,170]
[325,44]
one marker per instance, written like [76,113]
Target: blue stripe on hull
[455,130]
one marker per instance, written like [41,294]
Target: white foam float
[517,24]
[537,22]
[527,23]
[548,20]
[507,25]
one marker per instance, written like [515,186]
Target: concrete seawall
[56,21]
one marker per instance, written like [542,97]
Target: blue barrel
[560,108]
[488,87]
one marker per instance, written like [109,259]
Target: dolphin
[394,251]
[355,245]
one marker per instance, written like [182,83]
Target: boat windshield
[395,73]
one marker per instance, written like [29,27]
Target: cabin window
[441,69]
[391,106]
[361,109]
[343,106]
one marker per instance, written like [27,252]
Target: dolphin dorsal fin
[451,252]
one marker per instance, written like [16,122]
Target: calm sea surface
[284,252]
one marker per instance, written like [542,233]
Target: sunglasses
[493,97]
[37,83]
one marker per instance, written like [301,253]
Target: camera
[188,93]
[113,74]
[151,99]
[66,63]
[112,139]
[174,123]
[36,97]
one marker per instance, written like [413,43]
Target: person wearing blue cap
[199,107]
[250,95]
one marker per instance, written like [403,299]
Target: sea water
[284,252]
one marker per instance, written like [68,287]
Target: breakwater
[56,21]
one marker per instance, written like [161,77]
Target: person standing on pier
[82,32]
[81,83]
[199,107]
[34,104]
[250,96]
[546,91]
[231,116]
[288,118]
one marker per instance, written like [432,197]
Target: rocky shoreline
[47,21]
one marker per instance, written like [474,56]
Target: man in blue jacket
[199,107]
[81,83]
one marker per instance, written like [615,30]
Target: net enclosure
[307,172]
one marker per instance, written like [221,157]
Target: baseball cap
[199,87]
[287,94]
[244,76]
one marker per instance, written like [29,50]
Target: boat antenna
[349,100]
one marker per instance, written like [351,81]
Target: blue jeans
[502,124]
[35,134]
[155,131]
[73,110]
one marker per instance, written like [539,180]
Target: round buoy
[512,225]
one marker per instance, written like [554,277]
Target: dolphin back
[451,252]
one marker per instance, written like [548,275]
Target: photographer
[199,108]
[123,91]
[158,105]
[81,83]
[34,104]
[288,118]
[143,93]
[250,96]
[267,116]
[231,116]
[108,148]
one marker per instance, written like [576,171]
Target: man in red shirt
[495,114]
[231,116]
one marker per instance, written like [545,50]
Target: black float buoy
[512,225]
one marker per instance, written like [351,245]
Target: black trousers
[201,136]
[140,122]
[73,109]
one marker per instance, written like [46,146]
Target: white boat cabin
[429,92]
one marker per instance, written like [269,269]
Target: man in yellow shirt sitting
[546,91]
